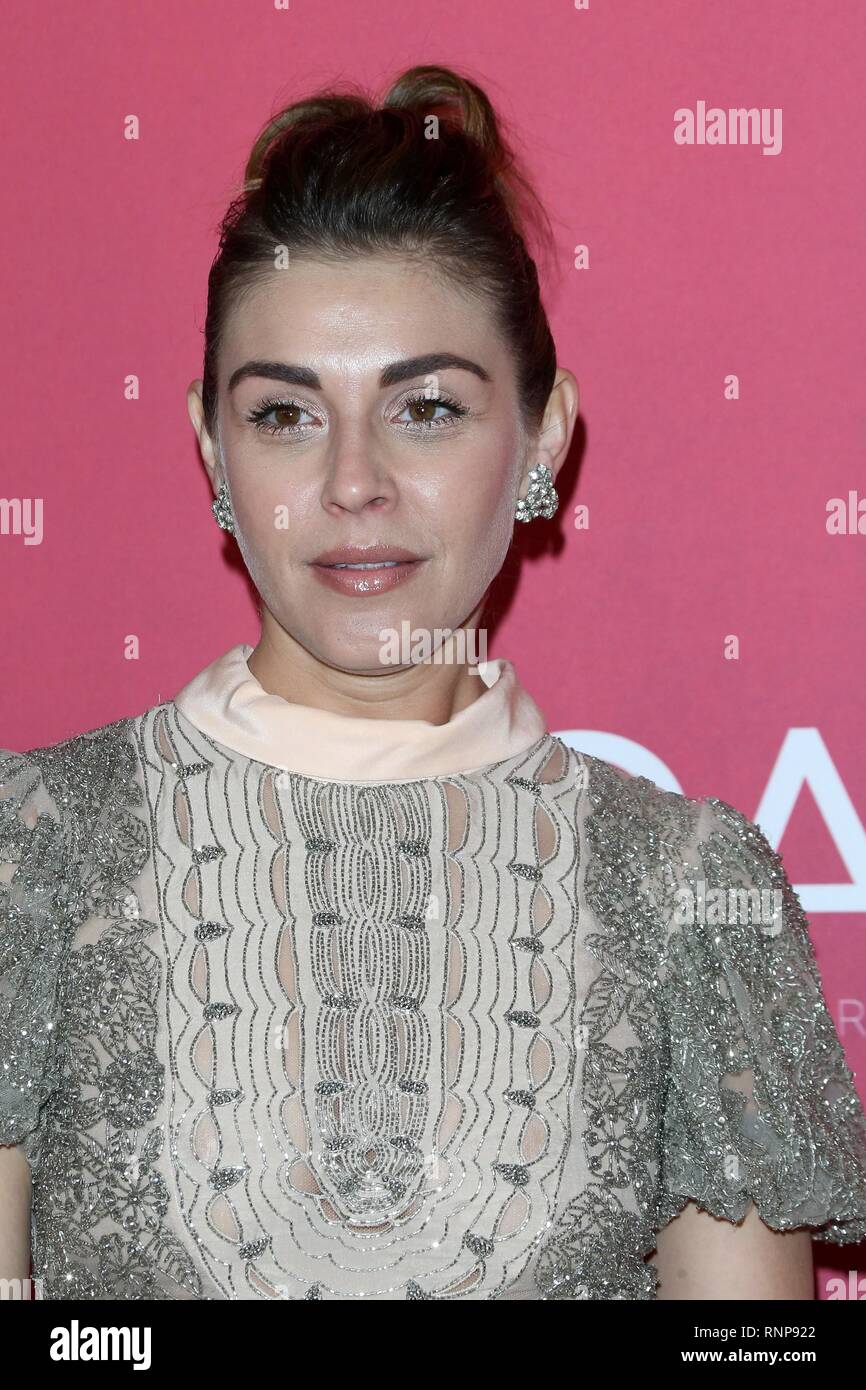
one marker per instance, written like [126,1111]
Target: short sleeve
[760,1105]
[32,941]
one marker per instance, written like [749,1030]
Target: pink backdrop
[707,515]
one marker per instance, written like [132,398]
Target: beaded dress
[295,1005]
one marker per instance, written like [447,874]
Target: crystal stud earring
[541,499]
[221,507]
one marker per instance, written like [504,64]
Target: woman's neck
[432,690]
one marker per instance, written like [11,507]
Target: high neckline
[227,702]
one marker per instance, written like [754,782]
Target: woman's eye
[286,415]
[423,409]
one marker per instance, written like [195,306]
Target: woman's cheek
[270,520]
[484,544]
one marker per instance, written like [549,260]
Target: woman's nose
[355,479]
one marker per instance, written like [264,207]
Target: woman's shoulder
[63,806]
[66,783]
[70,776]
[683,857]
[669,820]
[621,807]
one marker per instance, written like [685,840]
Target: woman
[338,976]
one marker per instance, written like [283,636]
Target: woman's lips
[366,577]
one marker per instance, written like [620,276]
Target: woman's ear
[553,440]
[195,408]
[560,418]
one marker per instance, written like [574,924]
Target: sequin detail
[762,1105]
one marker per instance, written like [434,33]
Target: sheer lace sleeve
[761,1105]
[32,942]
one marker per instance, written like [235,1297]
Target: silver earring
[541,499]
[222,509]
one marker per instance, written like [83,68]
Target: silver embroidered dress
[266,1035]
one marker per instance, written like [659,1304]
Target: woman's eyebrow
[395,372]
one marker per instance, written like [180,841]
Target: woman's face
[332,434]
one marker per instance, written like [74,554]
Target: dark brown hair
[335,176]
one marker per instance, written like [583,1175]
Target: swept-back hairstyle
[428,175]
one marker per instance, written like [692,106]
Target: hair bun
[442,92]
[438,91]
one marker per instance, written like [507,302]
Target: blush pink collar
[226,702]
